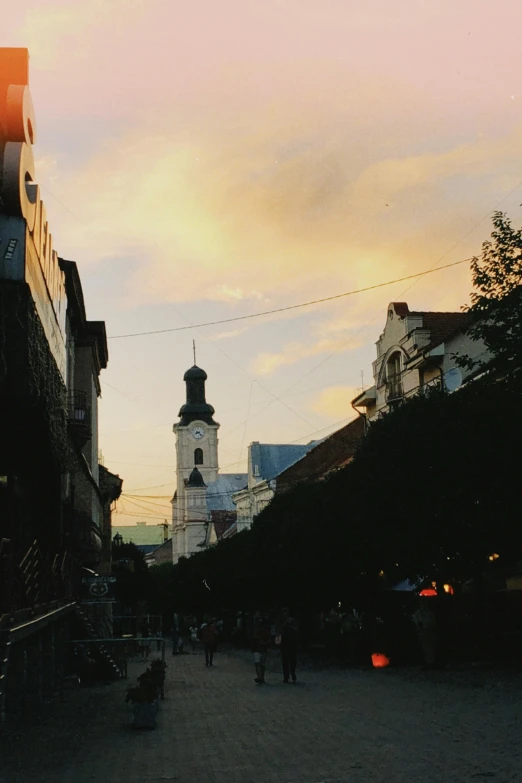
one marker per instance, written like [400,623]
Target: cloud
[334,403]
[266,363]
[273,212]
[228,335]
[48,30]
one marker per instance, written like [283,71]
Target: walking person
[193,631]
[426,624]
[208,634]
[261,639]
[175,633]
[288,639]
[145,640]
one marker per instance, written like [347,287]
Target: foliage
[496,303]
[433,490]
[132,584]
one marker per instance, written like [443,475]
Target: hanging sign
[98,589]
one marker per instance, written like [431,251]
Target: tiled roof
[219,493]
[442,325]
[222,521]
[140,534]
[162,554]
[272,459]
[332,453]
[147,548]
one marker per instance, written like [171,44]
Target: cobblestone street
[334,726]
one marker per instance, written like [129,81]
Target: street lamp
[117,540]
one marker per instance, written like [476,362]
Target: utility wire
[291,307]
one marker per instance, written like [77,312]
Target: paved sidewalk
[334,726]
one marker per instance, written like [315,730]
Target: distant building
[201,491]
[266,462]
[147,537]
[416,353]
[160,555]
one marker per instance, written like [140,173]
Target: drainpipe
[365,417]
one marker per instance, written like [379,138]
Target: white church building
[201,491]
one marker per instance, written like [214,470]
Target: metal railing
[92,659]
[394,389]
[79,414]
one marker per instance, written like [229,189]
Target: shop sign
[26,247]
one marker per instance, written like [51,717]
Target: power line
[336,424]
[291,307]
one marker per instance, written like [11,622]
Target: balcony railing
[79,415]
[394,390]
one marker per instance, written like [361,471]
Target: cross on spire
[194,349]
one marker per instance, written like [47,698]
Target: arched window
[198,457]
[394,389]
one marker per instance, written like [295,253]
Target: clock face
[198,432]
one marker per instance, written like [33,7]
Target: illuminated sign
[26,248]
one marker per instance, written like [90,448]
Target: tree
[133,583]
[496,303]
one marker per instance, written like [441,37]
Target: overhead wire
[289,307]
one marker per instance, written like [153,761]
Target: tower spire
[194,349]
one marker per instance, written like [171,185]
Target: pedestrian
[261,639]
[288,638]
[426,624]
[208,634]
[175,633]
[193,631]
[145,640]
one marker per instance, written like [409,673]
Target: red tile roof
[222,521]
[331,454]
[442,325]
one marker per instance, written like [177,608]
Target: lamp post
[117,540]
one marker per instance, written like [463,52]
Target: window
[198,457]
[393,377]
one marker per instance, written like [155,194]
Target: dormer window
[390,314]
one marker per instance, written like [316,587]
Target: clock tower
[196,465]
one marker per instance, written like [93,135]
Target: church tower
[196,466]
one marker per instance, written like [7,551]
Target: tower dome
[195,374]
[196,479]
[196,406]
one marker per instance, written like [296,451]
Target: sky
[206,160]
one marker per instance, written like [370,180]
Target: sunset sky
[203,160]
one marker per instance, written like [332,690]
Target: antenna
[194,349]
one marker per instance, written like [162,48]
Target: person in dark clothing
[208,635]
[260,644]
[288,640]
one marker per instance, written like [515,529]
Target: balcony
[394,390]
[79,417]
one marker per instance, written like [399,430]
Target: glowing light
[428,592]
[380,661]
[449,589]
[494,556]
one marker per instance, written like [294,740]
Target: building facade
[417,352]
[266,462]
[200,488]
[54,508]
